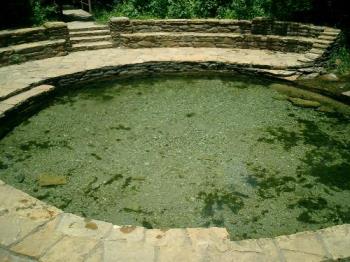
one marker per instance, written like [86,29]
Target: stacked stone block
[51,39]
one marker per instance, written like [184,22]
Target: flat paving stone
[124,251]
[36,244]
[70,249]
[7,256]
[22,215]
[337,240]
[302,246]
[15,78]
[252,250]
[33,231]
[72,225]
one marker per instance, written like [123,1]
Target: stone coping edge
[24,102]
[34,231]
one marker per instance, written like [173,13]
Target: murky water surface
[186,152]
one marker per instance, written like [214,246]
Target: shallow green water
[186,152]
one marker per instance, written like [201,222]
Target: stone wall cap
[55,25]
[21,31]
[260,18]
[120,19]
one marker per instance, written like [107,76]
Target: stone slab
[70,249]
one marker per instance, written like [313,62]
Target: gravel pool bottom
[171,152]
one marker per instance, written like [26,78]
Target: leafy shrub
[180,9]
[339,60]
[41,14]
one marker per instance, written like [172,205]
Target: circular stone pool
[185,152]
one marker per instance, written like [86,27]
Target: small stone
[51,180]
[127,229]
[304,103]
[329,77]
[91,225]
[308,76]
[338,61]
[55,25]
[139,178]
[326,109]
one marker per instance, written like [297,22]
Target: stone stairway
[89,36]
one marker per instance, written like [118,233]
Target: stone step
[327,37]
[316,51]
[84,39]
[330,33]
[32,47]
[322,41]
[319,46]
[92,46]
[89,33]
[332,30]
[85,26]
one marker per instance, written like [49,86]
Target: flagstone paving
[16,78]
[34,231]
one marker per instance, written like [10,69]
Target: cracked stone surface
[33,231]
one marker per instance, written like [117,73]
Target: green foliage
[158,8]
[238,9]
[248,9]
[286,9]
[17,59]
[42,14]
[180,9]
[339,60]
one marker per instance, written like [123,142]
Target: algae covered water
[185,152]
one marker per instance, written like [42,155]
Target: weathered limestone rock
[51,25]
[304,103]
[302,246]
[51,180]
[329,77]
[70,249]
[75,226]
[77,15]
[23,214]
[36,244]
[337,240]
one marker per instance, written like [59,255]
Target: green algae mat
[186,152]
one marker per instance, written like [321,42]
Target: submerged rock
[329,77]
[51,180]
[326,109]
[304,103]
[91,225]
[308,76]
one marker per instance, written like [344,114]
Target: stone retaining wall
[51,39]
[262,26]
[260,33]
[244,41]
